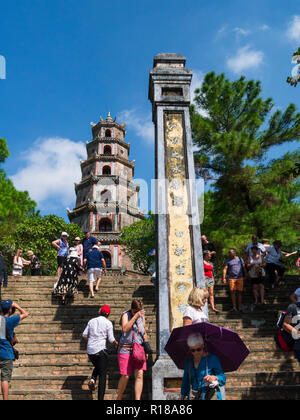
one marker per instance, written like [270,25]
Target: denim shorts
[6,368]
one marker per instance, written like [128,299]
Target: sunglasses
[197,350]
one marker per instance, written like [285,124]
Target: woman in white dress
[19,263]
[193,312]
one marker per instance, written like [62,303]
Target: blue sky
[68,62]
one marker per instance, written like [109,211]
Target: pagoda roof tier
[102,208]
[106,180]
[111,158]
[107,140]
[108,123]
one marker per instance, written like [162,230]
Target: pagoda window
[105,196]
[106,170]
[107,150]
[105,225]
[107,133]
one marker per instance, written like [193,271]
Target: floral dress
[68,281]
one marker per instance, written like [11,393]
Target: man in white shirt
[98,331]
[255,242]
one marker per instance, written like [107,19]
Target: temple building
[107,197]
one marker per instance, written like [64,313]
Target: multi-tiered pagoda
[106,197]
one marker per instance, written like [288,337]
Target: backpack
[283,340]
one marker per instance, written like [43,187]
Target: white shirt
[297,293]
[258,261]
[194,315]
[273,256]
[98,331]
[260,247]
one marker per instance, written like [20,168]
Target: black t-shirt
[293,311]
[209,247]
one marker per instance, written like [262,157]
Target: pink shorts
[127,365]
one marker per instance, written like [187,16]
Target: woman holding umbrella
[202,372]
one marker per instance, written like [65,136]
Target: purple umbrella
[222,342]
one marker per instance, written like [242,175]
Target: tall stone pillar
[179,249]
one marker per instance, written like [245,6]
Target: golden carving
[180,250]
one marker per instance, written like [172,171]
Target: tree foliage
[138,239]
[15,205]
[249,194]
[36,234]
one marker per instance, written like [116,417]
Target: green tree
[249,195]
[36,234]
[15,205]
[138,239]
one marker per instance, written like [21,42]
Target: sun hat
[77,238]
[64,234]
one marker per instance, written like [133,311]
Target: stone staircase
[53,362]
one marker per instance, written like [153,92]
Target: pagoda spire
[109,119]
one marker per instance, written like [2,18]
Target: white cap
[64,234]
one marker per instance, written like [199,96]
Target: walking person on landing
[260,246]
[62,247]
[34,263]
[19,263]
[7,356]
[97,333]
[79,248]
[274,260]
[235,269]
[95,262]
[88,242]
[133,331]
[209,279]
[67,284]
[256,264]
[208,246]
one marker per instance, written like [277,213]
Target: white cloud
[245,59]
[141,124]
[49,170]
[242,31]
[293,31]
[222,32]
[197,81]
[264,28]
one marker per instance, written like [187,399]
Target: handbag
[138,352]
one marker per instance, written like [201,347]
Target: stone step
[80,365]
[264,392]
[271,356]
[235,379]
[277,392]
